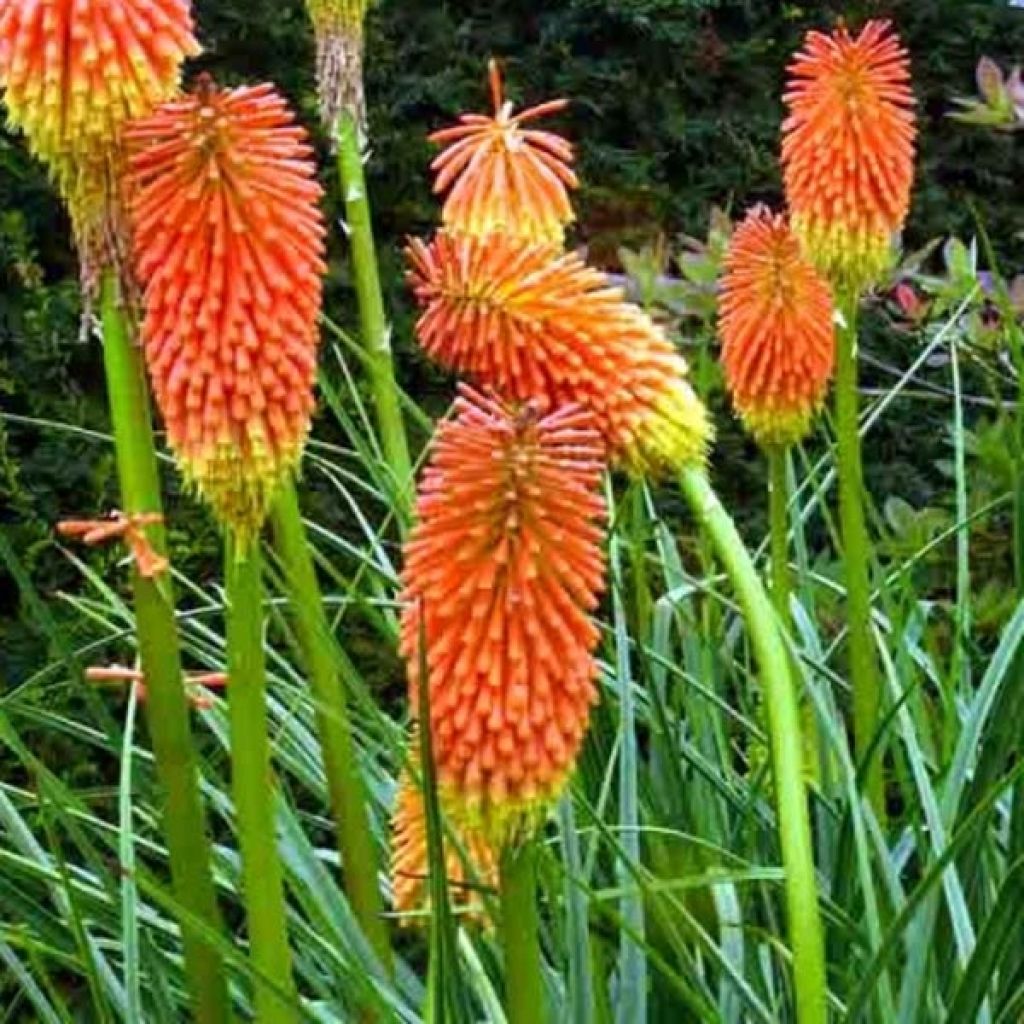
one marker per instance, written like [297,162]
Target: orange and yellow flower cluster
[775,319]
[848,163]
[501,575]
[848,150]
[230,251]
[538,324]
[505,567]
[74,72]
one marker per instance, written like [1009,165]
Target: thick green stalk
[376,333]
[805,928]
[520,934]
[778,504]
[253,788]
[864,679]
[345,787]
[167,709]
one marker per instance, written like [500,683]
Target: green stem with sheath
[167,707]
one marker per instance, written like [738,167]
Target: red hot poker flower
[501,574]
[848,150]
[534,324]
[230,244]
[503,177]
[776,324]
[74,72]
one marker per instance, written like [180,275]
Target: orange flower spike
[409,863]
[848,150]
[501,574]
[775,321]
[535,324]
[230,251]
[502,177]
[74,71]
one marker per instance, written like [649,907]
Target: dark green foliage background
[675,107]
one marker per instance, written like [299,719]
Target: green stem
[856,557]
[520,934]
[345,786]
[805,928]
[778,503]
[167,709]
[782,588]
[374,328]
[253,788]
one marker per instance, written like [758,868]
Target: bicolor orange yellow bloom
[848,150]
[775,321]
[503,177]
[470,861]
[230,243]
[74,72]
[502,573]
[338,25]
[537,324]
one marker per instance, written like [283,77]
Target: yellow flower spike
[848,150]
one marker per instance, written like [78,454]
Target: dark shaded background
[675,107]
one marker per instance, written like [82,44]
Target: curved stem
[167,709]
[806,935]
[856,557]
[253,789]
[374,328]
[345,786]
[520,938]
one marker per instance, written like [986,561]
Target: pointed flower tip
[502,572]
[534,323]
[230,252]
[848,150]
[500,176]
[471,861]
[777,330]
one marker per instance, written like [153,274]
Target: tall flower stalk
[502,303]
[230,244]
[848,162]
[338,26]
[72,79]
[345,786]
